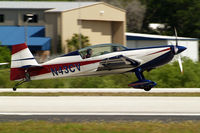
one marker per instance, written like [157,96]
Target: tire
[14,88]
[147,88]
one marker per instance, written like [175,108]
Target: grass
[100,127]
[197,94]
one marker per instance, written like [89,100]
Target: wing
[117,62]
[3,64]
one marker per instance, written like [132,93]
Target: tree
[135,15]
[182,14]
[74,42]
[5,56]
[135,12]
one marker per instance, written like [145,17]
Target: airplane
[102,59]
[94,60]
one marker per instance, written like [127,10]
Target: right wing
[117,62]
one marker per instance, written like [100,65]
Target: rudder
[21,59]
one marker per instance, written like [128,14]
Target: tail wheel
[14,88]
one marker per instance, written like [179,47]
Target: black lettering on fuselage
[54,71]
[71,68]
[65,69]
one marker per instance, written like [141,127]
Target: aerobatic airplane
[94,60]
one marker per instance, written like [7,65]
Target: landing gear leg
[26,79]
[142,83]
[19,83]
[139,74]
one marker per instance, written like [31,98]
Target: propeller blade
[176,36]
[180,63]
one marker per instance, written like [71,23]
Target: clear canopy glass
[97,50]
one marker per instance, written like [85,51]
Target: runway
[86,108]
[98,118]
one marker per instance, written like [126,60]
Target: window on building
[1,18]
[31,18]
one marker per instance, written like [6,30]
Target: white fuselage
[71,66]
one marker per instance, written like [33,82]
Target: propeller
[176,36]
[180,63]
[178,50]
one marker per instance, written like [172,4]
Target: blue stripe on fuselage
[24,59]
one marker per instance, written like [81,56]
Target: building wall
[118,31]
[53,30]
[101,22]
[192,50]
[145,43]
[15,16]
[96,33]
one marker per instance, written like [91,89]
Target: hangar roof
[139,36]
[49,6]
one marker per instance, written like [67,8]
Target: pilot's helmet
[115,49]
[89,51]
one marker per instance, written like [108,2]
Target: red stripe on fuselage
[140,83]
[160,51]
[19,73]
[18,47]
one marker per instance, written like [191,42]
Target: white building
[137,40]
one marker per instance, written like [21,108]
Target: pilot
[115,49]
[89,53]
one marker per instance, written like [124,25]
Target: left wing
[3,64]
[117,62]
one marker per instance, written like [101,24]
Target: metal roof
[139,36]
[49,6]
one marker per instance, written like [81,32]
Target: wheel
[147,88]
[14,88]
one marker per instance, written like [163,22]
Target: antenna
[25,28]
[80,23]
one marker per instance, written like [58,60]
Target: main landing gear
[26,79]
[142,83]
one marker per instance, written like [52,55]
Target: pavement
[99,108]
[123,105]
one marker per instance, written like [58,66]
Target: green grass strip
[100,127]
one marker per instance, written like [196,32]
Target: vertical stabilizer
[21,59]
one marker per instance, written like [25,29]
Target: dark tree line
[182,14]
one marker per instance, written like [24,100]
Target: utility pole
[80,23]
[25,29]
